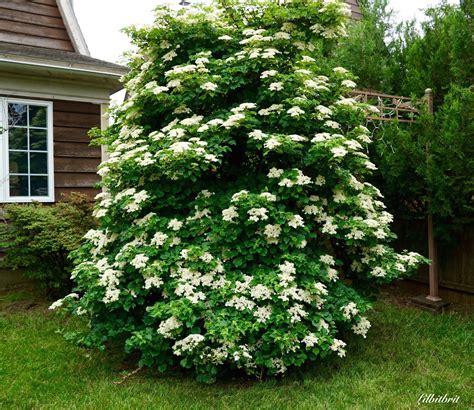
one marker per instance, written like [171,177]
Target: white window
[26,160]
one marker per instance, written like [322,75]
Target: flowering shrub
[236,228]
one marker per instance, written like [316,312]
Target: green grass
[408,352]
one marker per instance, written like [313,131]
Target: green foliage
[369,47]
[406,59]
[38,238]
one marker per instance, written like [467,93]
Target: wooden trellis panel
[391,107]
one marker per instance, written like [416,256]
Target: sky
[101,21]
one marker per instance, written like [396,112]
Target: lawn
[407,353]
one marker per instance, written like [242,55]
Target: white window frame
[4,159]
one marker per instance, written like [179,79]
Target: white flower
[169,56]
[257,135]
[308,59]
[174,83]
[378,272]
[272,231]
[166,327]
[270,53]
[321,137]
[286,182]
[320,180]
[175,225]
[275,173]
[321,288]
[296,221]
[269,73]
[310,340]
[332,274]
[209,86]
[239,195]
[297,313]
[278,86]
[240,303]
[159,89]
[159,239]
[370,165]
[311,210]
[338,346]
[153,281]
[281,35]
[323,111]
[350,310]
[339,152]
[188,344]
[139,261]
[111,295]
[287,270]
[215,122]
[340,70]
[272,143]
[180,147]
[302,179]
[257,214]
[263,314]
[194,120]
[225,38]
[332,124]
[60,302]
[260,292]
[295,111]
[380,234]
[268,196]
[230,214]
[244,107]
[327,259]
[349,83]
[362,327]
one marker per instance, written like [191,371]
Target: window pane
[38,140]
[37,116]
[38,163]
[39,186]
[18,185]
[17,115]
[18,162]
[17,138]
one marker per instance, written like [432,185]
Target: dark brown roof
[66,59]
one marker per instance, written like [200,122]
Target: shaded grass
[407,353]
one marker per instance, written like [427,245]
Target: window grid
[39,184]
[28,150]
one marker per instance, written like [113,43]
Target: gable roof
[43,38]
[72,26]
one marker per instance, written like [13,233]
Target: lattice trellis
[391,107]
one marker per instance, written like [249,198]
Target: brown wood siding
[35,23]
[356,13]
[75,162]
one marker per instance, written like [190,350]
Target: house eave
[71,69]
[50,81]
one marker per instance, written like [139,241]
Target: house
[356,12]
[51,93]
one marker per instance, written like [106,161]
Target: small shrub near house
[237,228]
[38,239]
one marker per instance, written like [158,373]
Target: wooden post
[432,251]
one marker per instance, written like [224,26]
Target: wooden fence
[453,265]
